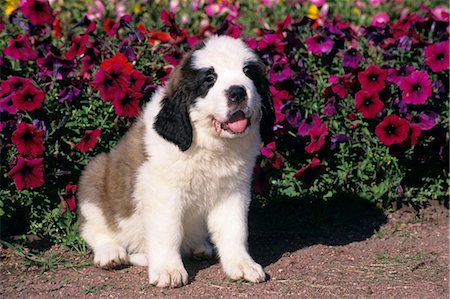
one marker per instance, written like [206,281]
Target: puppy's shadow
[294,224]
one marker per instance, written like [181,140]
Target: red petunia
[372,78]
[38,11]
[416,88]
[128,106]
[69,200]
[14,83]
[20,48]
[340,85]
[88,141]
[307,175]
[392,129]
[437,56]
[28,140]
[28,173]
[112,83]
[78,47]
[368,103]
[29,98]
[117,59]
[317,135]
[137,80]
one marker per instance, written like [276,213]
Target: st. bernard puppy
[181,175]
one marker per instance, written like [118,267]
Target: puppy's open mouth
[236,124]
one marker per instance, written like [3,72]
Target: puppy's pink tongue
[237,122]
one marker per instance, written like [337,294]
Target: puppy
[181,175]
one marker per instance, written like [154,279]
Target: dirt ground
[308,250]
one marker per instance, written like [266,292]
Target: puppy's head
[220,90]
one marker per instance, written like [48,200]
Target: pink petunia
[416,88]
[437,56]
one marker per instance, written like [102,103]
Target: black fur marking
[173,122]
[256,71]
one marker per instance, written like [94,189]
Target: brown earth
[308,250]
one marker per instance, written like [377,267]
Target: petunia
[137,80]
[293,117]
[112,83]
[308,124]
[317,135]
[319,44]
[380,19]
[368,103]
[69,199]
[128,106]
[397,75]
[67,94]
[437,56]
[78,47]
[20,48]
[270,152]
[308,174]
[117,59]
[14,83]
[28,173]
[340,84]
[280,71]
[425,120]
[88,141]
[351,58]
[55,66]
[336,139]
[29,98]
[28,140]
[372,78]
[392,129]
[38,11]
[416,88]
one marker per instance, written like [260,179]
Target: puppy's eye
[210,79]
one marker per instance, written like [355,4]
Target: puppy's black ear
[173,122]
[256,71]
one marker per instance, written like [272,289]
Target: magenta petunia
[317,135]
[319,44]
[28,173]
[437,56]
[372,78]
[29,98]
[28,140]
[392,129]
[425,120]
[308,124]
[270,152]
[280,70]
[397,75]
[308,174]
[416,88]
[368,103]
[20,48]
[39,12]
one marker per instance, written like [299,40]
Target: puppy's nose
[236,94]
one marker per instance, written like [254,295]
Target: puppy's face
[220,89]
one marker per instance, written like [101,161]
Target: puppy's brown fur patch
[108,180]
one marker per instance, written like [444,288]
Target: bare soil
[308,250]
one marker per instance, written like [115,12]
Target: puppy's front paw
[110,255]
[245,268]
[170,277]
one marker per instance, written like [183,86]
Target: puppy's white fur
[180,198]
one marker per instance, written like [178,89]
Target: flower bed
[361,103]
